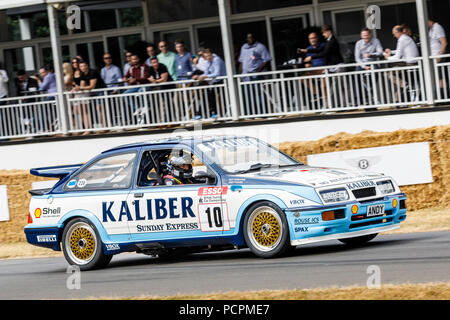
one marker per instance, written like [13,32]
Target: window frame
[168,147]
[93,162]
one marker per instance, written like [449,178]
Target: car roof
[187,140]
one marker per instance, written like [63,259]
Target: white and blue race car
[244,193]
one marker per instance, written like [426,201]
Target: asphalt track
[413,258]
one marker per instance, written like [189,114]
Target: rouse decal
[308,220]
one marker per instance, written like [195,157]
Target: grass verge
[423,291]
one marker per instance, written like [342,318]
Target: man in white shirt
[407,50]
[406,47]
[367,49]
[438,40]
[3,85]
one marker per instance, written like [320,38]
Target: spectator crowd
[162,66]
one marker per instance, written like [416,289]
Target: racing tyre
[358,241]
[82,246]
[266,230]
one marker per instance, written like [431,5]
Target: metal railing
[333,88]
[128,107]
[28,116]
[278,93]
[441,65]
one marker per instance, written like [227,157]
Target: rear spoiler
[55,172]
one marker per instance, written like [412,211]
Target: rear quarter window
[113,172]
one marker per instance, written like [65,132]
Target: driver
[180,169]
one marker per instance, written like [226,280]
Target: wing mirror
[208,177]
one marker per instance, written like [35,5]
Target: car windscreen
[244,154]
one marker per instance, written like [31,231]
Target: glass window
[131,17]
[168,11]
[154,167]
[102,20]
[239,154]
[239,6]
[207,38]
[114,172]
[288,35]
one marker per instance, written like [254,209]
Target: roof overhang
[8,4]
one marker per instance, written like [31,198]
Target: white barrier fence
[278,93]
[148,105]
[337,88]
[29,116]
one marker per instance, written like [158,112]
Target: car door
[176,211]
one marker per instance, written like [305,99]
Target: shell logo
[37,213]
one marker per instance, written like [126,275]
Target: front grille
[364,193]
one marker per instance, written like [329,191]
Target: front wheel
[357,241]
[265,230]
[82,246]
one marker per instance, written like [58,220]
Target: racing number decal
[212,218]
[212,209]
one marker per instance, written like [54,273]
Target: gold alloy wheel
[81,243]
[265,228]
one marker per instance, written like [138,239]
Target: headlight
[385,187]
[334,195]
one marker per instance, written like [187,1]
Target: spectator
[127,65]
[47,82]
[215,68]
[314,42]
[151,52]
[137,75]
[68,76]
[199,62]
[183,61]
[438,39]
[406,48]
[168,58]
[76,71]
[158,72]
[110,73]
[367,49]
[90,80]
[331,51]
[408,31]
[25,84]
[3,85]
[254,57]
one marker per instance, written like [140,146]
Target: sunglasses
[163,46]
[107,58]
[128,55]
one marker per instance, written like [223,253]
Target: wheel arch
[249,203]
[82,214]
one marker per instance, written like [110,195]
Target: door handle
[138,195]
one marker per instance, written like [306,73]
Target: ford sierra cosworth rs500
[178,195]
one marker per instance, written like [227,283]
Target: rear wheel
[265,230]
[82,245]
[357,241]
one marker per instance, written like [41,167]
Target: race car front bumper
[307,225]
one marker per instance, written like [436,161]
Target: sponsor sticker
[71,184]
[37,212]
[47,238]
[307,220]
[81,183]
[212,191]
[112,247]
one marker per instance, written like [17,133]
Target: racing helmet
[177,159]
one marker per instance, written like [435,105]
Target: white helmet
[177,159]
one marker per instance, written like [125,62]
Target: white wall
[31,155]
